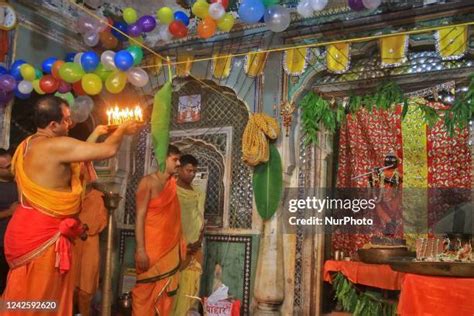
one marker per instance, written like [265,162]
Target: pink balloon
[64,87]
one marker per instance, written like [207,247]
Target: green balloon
[137,54]
[71,72]
[69,97]
[269,3]
[102,72]
[38,73]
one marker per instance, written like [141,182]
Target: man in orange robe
[38,237]
[159,243]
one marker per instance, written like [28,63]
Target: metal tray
[449,269]
[383,255]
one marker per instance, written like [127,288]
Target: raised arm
[142,198]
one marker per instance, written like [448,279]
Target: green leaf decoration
[268,184]
[160,124]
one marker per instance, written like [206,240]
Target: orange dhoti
[38,244]
[155,288]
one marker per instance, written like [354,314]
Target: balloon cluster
[358,5]
[135,26]
[172,24]
[94,31]
[306,8]
[213,16]
[276,17]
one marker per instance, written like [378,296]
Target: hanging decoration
[221,66]
[338,57]
[183,69]
[255,63]
[451,43]
[255,148]
[286,112]
[393,50]
[294,61]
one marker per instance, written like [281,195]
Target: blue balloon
[123,60]
[48,64]
[251,11]
[22,96]
[181,16]
[15,69]
[89,61]
[122,26]
[69,57]
[3,70]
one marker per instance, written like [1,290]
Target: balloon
[200,9]
[15,69]
[165,15]
[108,40]
[371,4]
[89,61]
[206,28]
[38,74]
[71,72]
[147,22]
[356,5]
[102,24]
[23,96]
[27,72]
[70,57]
[318,5]
[181,16]
[130,15]
[134,30]
[116,82]
[7,83]
[107,59]
[36,86]
[137,53]
[277,18]
[123,60]
[48,84]
[77,88]
[77,58]
[163,31]
[269,3]
[3,70]
[225,3]
[68,97]
[226,23]
[81,109]
[251,11]
[25,87]
[137,77]
[178,29]
[305,9]
[91,38]
[48,64]
[64,87]
[136,40]
[55,69]
[216,11]
[122,27]
[85,24]
[102,72]
[92,84]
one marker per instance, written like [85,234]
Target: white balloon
[25,87]
[107,59]
[137,77]
[216,10]
[101,24]
[371,4]
[77,58]
[318,5]
[305,9]
[81,109]
[164,33]
[277,18]
[91,39]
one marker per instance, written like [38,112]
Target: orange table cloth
[375,275]
[432,296]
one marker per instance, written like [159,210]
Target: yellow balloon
[165,15]
[28,72]
[130,15]
[226,22]
[116,82]
[136,40]
[200,9]
[91,84]
[36,85]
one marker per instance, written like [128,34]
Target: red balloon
[48,84]
[77,88]
[225,3]
[178,29]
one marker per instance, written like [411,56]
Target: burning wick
[116,116]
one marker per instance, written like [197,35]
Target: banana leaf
[160,124]
[267,184]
